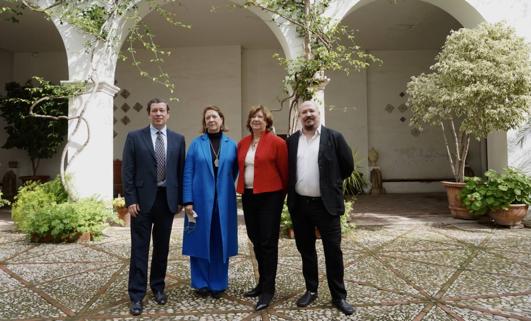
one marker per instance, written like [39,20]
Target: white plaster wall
[403,155]
[20,67]
[50,65]
[262,78]
[202,75]
[346,111]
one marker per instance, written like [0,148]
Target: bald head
[309,115]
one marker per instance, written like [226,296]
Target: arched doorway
[225,59]
[406,35]
[30,47]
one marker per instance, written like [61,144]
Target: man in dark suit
[152,172]
[319,159]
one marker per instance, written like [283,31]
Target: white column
[91,170]
[319,94]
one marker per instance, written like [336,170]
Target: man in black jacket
[319,159]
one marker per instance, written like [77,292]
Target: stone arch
[461,10]
[286,35]
[32,47]
[469,16]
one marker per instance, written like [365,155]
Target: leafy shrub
[3,202]
[496,191]
[44,212]
[34,196]
[64,222]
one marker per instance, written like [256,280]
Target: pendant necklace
[216,155]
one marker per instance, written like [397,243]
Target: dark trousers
[160,219]
[262,220]
[309,214]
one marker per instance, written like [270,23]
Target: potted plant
[40,138]
[481,82]
[504,197]
[118,204]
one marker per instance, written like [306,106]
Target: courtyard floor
[423,270]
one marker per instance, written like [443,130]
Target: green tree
[481,82]
[40,138]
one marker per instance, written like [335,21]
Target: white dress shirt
[308,166]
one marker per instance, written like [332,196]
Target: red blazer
[270,164]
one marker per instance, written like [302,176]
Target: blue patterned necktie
[161,157]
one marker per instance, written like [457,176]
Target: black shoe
[252,293]
[263,301]
[217,294]
[343,306]
[160,298]
[307,298]
[136,308]
[202,292]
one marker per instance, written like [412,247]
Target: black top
[215,139]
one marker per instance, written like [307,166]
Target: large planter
[454,202]
[511,217]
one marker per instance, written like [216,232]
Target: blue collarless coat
[199,187]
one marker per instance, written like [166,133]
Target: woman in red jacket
[263,167]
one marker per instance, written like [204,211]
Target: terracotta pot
[124,216]
[511,217]
[454,202]
[84,237]
[290,233]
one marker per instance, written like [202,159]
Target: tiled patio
[442,271]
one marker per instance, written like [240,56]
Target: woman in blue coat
[210,171]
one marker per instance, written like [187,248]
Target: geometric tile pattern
[125,107]
[400,272]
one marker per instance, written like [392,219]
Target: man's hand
[133,209]
[179,209]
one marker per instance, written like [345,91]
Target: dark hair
[217,110]
[268,117]
[157,101]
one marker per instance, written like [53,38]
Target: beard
[309,125]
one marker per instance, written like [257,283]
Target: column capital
[103,86]
[323,80]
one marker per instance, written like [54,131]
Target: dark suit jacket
[139,169]
[335,164]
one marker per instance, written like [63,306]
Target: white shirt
[249,167]
[308,166]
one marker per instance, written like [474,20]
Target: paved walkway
[396,272]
